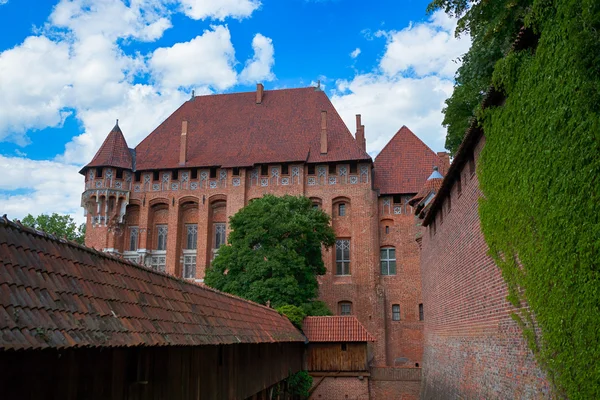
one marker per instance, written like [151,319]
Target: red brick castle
[166,202]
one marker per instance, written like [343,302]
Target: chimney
[259,92]
[445,157]
[183,143]
[323,132]
[360,133]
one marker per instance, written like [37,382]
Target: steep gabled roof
[404,164]
[335,329]
[114,152]
[231,130]
[57,294]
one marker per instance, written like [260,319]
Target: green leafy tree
[58,225]
[492,26]
[273,252]
[316,308]
[294,313]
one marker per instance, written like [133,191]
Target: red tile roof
[57,294]
[335,329]
[113,152]
[231,130]
[404,164]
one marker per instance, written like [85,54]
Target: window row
[345,308]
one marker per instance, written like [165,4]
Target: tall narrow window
[218,237]
[189,266]
[396,312]
[342,209]
[388,261]
[421,312]
[161,243]
[345,308]
[133,238]
[342,256]
[191,236]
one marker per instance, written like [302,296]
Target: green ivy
[540,177]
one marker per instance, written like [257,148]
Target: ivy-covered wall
[540,177]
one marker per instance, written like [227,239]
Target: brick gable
[405,163]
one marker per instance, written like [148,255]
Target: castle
[166,203]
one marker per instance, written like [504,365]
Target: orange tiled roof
[335,329]
[57,294]
[231,130]
[113,152]
[404,164]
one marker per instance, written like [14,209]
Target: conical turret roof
[114,152]
[432,184]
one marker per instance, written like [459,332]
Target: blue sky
[68,69]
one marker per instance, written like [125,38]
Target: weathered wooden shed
[337,343]
[76,323]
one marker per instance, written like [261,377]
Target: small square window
[213,172]
[311,169]
[155,175]
[119,173]
[236,171]
[397,199]
[332,168]
[194,174]
[264,169]
[98,172]
[345,308]
[175,174]
[285,169]
[342,209]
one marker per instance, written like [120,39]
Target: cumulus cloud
[355,53]
[259,68]
[75,64]
[426,48]
[206,60]
[50,187]
[408,87]
[219,9]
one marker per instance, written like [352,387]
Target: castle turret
[108,180]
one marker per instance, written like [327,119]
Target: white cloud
[33,89]
[355,53]
[3,2]
[49,187]
[113,19]
[425,48]
[206,60]
[408,87]
[259,68]
[76,64]
[219,9]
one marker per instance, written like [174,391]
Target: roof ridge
[63,241]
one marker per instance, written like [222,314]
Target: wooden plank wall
[331,357]
[206,372]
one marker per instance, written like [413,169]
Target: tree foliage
[294,313]
[492,26]
[273,252]
[539,174]
[59,225]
